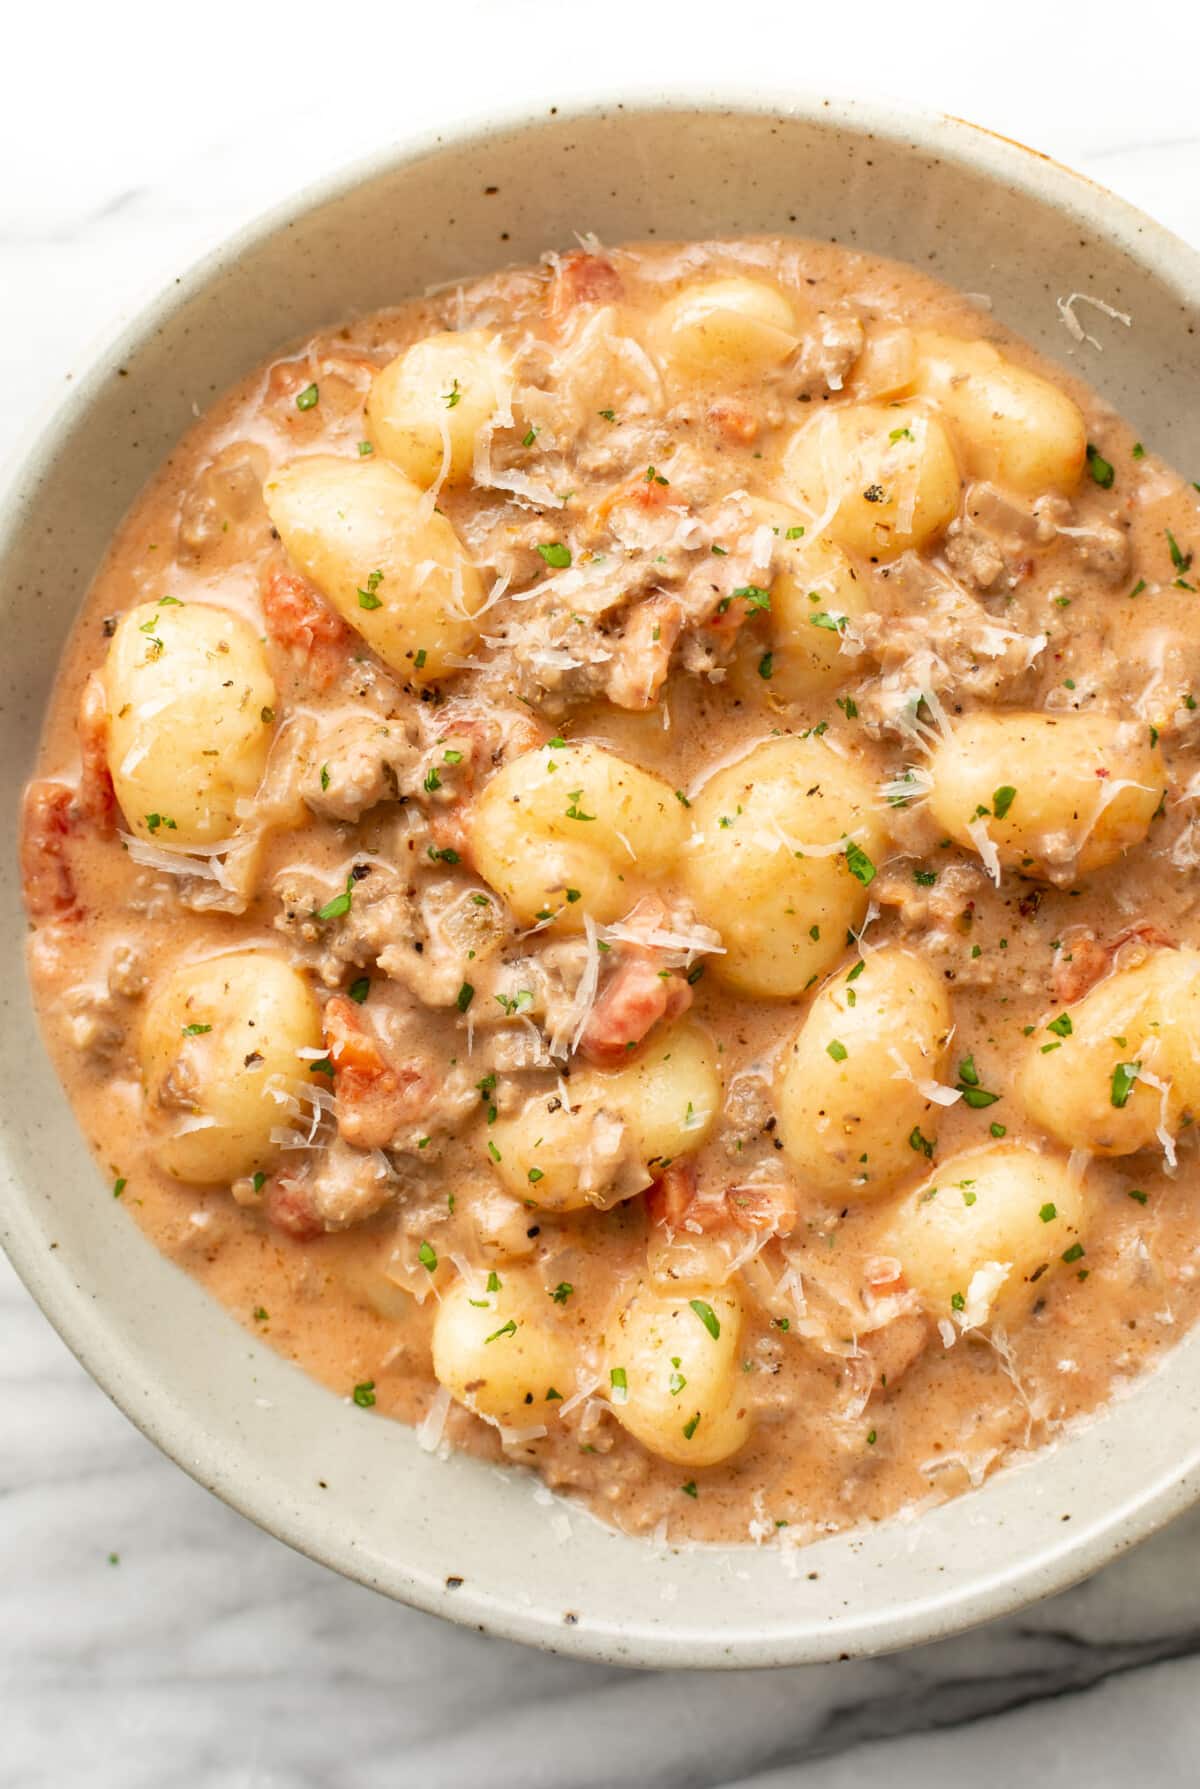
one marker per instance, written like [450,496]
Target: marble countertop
[149,1638]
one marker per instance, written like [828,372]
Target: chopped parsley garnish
[794,533]
[358,990]
[261,1314]
[324,776]
[707,1316]
[655,478]
[835,624]
[1141,1197]
[690,1427]
[452,397]
[973,1093]
[308,397]
[619,1385]
[367,598]
[1100,468]
[859,864]
[555,554]
[689,1490]
[957,1302]
[364,449]
[493,1151]
[427,1256]
[432,781]
[837,1050]
[260,1181]
[1076,1252]
[766,666]
[574,812]
[1061,1027]
[922,1144]
[506,1329]
[530,437]
[364,1394]
[196,1030]
[119,1185]
[608,415]
[1049,1212]
[154,821]
[340,904]
[464,997]
[1179,559]
[1123,1077]
[925,878]
[1138,451]
[756,597]
[1002,800]
[562,1292]
[534,1175]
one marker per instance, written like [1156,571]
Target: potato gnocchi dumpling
[854,1113]
[987,1230]
[725,330]
[816,597]
[502,1348]
[783,850]
[614,1130]
[674,1372]
[572,830]
[427,406]
[389,563]
[1120,1070]
[222,1067]
[1053,795]
[1009,425]
[881,477]
[191,717]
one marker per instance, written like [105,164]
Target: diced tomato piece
[300,621]
[46,826]
[375,1097]
[639,994]
[289,1208]
[97,801]
[582,278]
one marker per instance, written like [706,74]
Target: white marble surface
[149,1638]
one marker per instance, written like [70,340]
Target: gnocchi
[1118,1071]
[501,1347]
[853,1090]
[391,566]
[1054,796]
[878,479]
[1010,425]
[988,1227]
[816,598]
[191,718]
[783,850]
[606,1137]
[571,832]
[674,1374]
[427,406]
[725,330]
[222,1052]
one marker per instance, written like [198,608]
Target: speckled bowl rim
[82,1323]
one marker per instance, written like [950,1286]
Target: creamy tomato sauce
[618,883]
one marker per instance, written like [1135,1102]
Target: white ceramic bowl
[455,1537]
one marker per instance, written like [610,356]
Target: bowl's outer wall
[349,1489]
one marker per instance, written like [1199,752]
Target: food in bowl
[608,870]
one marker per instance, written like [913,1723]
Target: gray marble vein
[149,1637]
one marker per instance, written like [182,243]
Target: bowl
[454,1537]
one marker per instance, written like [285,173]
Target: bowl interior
[454,1536]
